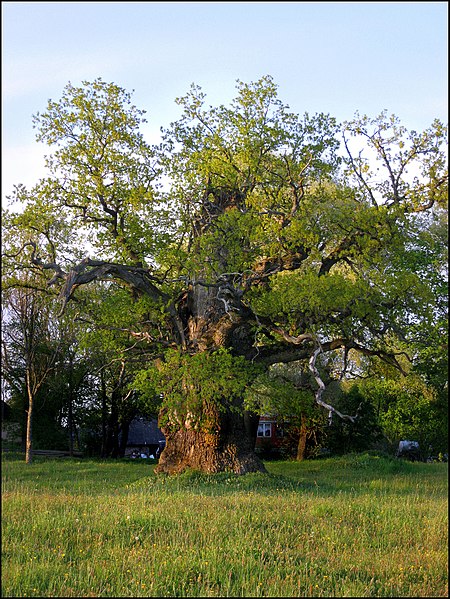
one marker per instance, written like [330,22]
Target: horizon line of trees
[85,400]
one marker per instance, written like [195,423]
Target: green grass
[342,527]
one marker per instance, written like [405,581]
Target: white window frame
[264,430]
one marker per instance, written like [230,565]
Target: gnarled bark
[226,439]
[228,448]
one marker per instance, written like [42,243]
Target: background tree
[27,334]
[286,393]
[408,409]
[263,247]
[364,434]
[115,335]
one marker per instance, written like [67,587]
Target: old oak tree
[249,237]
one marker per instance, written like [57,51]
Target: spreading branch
[88,270]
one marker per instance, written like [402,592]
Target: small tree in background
[408,409]
[363,434]
[29,349]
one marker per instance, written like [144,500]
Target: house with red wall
[145,437]
[270,434]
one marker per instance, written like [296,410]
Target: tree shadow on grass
[352,474]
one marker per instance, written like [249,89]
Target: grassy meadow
[354,526]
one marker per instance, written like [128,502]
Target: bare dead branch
[321,389]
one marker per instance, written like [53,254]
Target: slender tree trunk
[301,448]
[76,434]
[29,434]
[125,428]
[70,409]
[70,423]
[103,450]
[112,445]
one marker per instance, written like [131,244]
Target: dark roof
[144,432]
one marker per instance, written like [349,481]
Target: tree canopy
[250,236]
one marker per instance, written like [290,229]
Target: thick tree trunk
[211,321]
[226,448]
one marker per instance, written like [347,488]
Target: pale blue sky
[333,57]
